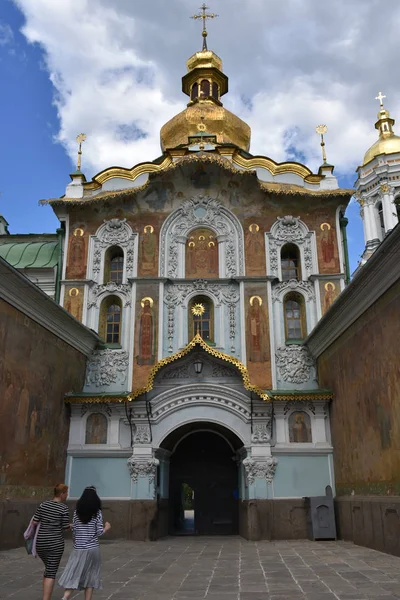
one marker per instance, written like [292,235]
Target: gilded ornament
[198,310]
[148,299]
[255,227]
[385,189]
[329,286]
[78,232]
[148,229]
[73,292]
[80,139]
[325,226]
[255,297]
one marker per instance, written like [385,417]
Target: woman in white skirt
[84,564]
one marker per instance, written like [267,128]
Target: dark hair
[88,505]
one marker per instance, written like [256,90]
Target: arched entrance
[203,480]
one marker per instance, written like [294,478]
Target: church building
[203,271]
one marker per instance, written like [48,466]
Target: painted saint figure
[77,247]
[148,249]
[257,331]
[327,243]
[96,429]
[329,296]
[146,354]
[299,428]
[255,252]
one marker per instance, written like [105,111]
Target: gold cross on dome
[380,97]
[204,15]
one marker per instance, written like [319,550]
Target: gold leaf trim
[196,341]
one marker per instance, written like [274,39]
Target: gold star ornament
[198,310]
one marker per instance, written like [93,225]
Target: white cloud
[6,34]
[116,69]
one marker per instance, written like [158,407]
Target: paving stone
[221,569]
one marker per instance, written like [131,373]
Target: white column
[389,208]
[373,225]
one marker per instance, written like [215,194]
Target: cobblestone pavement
[221,568]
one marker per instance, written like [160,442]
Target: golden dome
[205,83]
[218,121]
[388,142]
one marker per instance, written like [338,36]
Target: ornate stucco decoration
[102,407]
[260,469]
[142,434]
[142,467]
[97,291]
[290,230]
[295,364]
[177,294]
[114,232]
[201,211]
[209,401]
[298,405]
[107,367]
[198,341]
[262,432]
[280,289]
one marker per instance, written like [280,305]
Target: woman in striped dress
[83,567]
[53,517]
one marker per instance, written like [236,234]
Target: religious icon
[148,249]
[327,243]
[257,331]
[330,295]
[202,254]
[73,303]
[77,254]
[255,251]
[300,428]
[146,355]
[96,429]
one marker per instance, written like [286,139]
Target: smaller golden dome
[388,142]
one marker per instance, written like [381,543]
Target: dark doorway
[204,461]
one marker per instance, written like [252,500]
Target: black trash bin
[321,523]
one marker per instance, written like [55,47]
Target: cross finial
[380,97]
[80,139]
[204,15]
[321,129]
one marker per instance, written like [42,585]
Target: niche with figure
[201,254]
[96,429]
[300,428]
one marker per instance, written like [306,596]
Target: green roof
[33,255]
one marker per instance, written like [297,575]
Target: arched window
[195,91]
[215,90]
[295,327]
[205,88]
[201,318]
[96,429]
[381,222]
[300,427]
[290,262]
[114,265]
[111,320]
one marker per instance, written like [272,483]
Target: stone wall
[363,370]
[36,371]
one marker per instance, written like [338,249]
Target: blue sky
[36,165]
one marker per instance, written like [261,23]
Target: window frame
[201,299]
[111,254]
[103,321]
[299,299]
[297,267]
